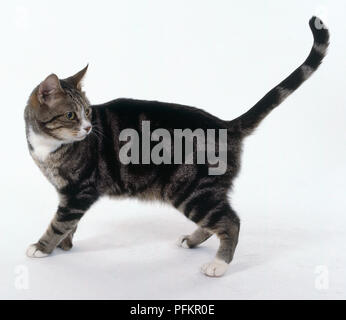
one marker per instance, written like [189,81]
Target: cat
[76,145]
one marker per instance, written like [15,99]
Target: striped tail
[247,122]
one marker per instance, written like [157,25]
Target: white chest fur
[42,145]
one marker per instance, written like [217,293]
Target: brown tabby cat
[78,148]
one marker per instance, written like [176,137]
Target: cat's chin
[74,139]
[80,138]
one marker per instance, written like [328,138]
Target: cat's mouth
[82,135]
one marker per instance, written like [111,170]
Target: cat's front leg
[63,225]
[66,244]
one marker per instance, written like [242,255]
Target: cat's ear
[77,79]
[48,89]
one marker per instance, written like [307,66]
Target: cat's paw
[182,242]
[34,252]
[216,268]
[66,244]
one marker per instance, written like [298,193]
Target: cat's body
[83,167]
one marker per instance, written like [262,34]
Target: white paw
[33,252]
[182,242]
[216,268]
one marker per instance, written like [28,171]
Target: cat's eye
[70,115]
[87,111]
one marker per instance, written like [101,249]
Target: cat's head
[60,108]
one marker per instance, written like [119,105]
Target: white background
[222,56]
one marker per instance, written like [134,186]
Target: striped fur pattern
[250,120]
[85,169]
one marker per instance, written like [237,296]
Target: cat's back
[160,114]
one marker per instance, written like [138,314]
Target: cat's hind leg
[211,211]
[205,202]
[227,229]
[194,239]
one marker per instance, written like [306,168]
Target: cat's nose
[87,129]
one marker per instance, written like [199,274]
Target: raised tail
[247,122]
